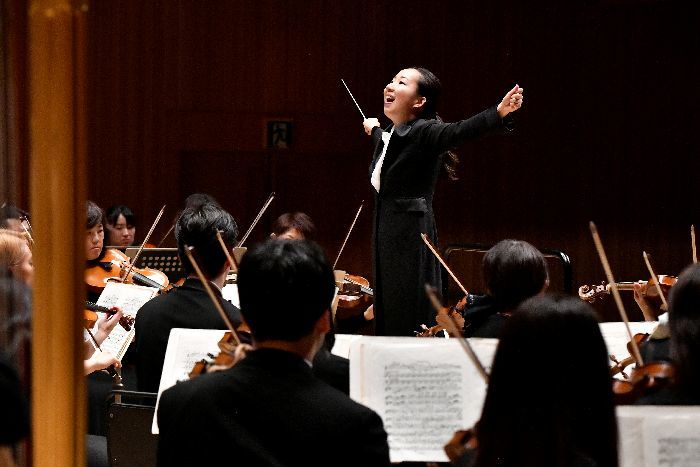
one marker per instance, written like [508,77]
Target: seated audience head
[196,227]
[13,218]
[549,401]
[16,256]
[684,328]
[94,241]
[120,223]
[513,271]
[285,288]
[294,226]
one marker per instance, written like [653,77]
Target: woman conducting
[407,159]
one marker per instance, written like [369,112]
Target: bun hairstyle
[429,86]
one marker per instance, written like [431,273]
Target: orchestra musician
[16,256]
[269,409]
[294,226]
[682,347]
[187,306]
[120,225]
[13,218]
[549,400]
[513,271]
[407,159]
[331,368]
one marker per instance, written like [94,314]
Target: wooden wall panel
[607,131]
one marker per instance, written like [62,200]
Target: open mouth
[388,99]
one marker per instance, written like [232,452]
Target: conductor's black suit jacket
[269,409]
[404,210]
[188,306]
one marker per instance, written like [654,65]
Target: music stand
[163,259]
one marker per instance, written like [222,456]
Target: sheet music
[341,347]
[185,348]
[616,338]
[129,298]
[656,436]
[424,390]
[230,293]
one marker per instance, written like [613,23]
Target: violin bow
[692,244]
[352,226]
[464,342]
[112,370]
[172,227]
[257,218]
[656,279]
[432,248]
[29,230]
[353,99]
[207,287]
[145,240]
[616,293]
[232,261]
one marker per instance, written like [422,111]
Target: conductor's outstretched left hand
[511,102]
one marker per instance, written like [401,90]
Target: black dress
[404,210]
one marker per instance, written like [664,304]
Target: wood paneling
[180,92]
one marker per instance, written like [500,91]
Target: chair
[465,261]
[129,438]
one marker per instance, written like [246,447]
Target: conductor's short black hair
[284,287]
[513,271]
[196,227]
[95,215]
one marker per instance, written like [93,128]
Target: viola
[591,293]
[114,266]
[90,317]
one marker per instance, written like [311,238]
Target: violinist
[269,409]
[513,271]
[328,367]
[294,226]
[121,229]
[683,344]
[188,306]
[549,400]
[16,256]
[14,218]
[408,158]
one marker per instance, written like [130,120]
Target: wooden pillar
[57,188]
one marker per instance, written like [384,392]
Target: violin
[90,317]
[643,380]
[455,312]
[590,293]
[226,357]
[354,294]
[114,265]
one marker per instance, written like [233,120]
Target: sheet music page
[655,436]
[129,298]
[341,347]
[185,348]
[616,338]
[230,293]
[424,390]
